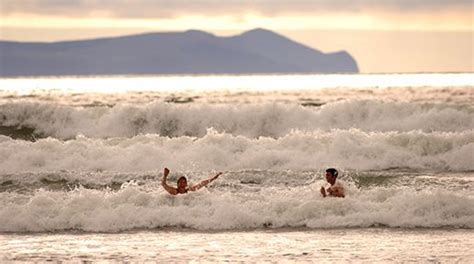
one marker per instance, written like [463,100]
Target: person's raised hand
[166,172]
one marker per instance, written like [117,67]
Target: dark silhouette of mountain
[193,51]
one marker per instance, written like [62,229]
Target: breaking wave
[349,149]
[250,120]
[214,209]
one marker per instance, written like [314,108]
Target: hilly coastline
[189,52]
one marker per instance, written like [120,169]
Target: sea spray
[350,149]
[219,209]
[249,120]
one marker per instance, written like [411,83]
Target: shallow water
[257,246]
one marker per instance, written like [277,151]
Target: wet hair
[333,172]
[182,177]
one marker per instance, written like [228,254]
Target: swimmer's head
[182,182]
[332,171]
[331,175]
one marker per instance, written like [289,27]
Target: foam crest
[132,208]
[348,149]
[250,120]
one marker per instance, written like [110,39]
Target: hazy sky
[382,35]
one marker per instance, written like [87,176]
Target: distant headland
[189,52]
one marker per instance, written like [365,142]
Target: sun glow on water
[228,83]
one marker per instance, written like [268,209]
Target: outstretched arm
[204,183]
[169,189]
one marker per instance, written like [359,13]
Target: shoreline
[276,230]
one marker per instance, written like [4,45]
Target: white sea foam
[408,147]
[133,208]
[348,149]
[253,120]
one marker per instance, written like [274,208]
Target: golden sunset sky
[383,36]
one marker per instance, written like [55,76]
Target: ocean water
[81,160]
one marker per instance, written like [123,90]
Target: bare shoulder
[339,184]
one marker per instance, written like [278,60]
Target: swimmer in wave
[182,184]
[336,189]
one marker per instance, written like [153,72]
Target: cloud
[172,8]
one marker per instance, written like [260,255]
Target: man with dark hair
[336,189]
[182,184]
